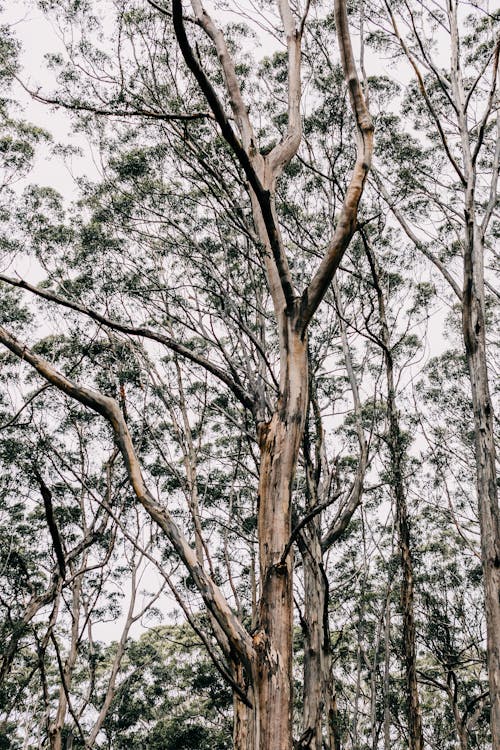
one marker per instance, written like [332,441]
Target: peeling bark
[279,444]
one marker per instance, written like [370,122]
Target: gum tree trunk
[279,441]
[317,709]
[486,479]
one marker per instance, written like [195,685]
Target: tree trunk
[320,708]
[66,672]
[387,676]
[407,605]
[279,442]
[245,715]
[314,636]
[486,481]
[397,451]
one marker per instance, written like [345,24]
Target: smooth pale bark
[486,478]
[474,333]
[279,442]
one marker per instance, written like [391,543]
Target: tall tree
[459,105]
[261,663]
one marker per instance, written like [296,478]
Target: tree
[457,107]
[223,396]
[261,664]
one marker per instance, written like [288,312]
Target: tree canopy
[248,495]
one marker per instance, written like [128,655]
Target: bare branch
[413,237]
[142,331]
[427,100]
[284,151]
[489,103]
[341,522]
[110,111]
[51,523]
[245,158]
[347,222]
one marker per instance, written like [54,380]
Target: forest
[249,375]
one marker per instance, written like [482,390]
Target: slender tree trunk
[55,729]
[460,725]
[397,453]
[486,479]
[375,730]
[332,714]
[387,676]
[473,324]
[313,629]
[359,649]
[407,606]
[320,706]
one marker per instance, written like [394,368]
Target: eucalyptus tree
[62,564]
[259,662]
[252,417]
[454,105]
[455,667]
[183,702]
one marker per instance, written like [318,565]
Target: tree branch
[242,396]
[110,410]
[284,151]
[347,222]
[244,157]
[51,523]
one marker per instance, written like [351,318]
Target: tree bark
[473,321]
[279,442]
[319,701]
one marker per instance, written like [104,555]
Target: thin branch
[109,111]
[427,100]
[413,237]
[303,522]
[51,523]
[167,341]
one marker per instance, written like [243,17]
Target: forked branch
[347,222]
[244,157]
